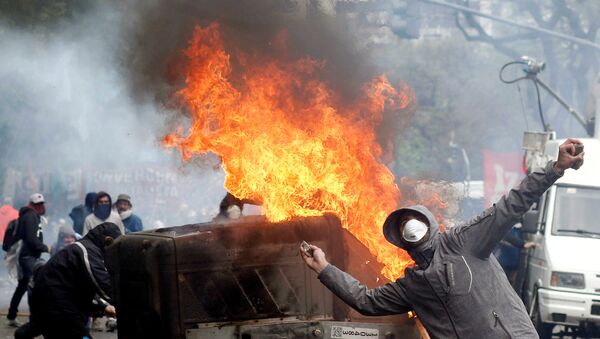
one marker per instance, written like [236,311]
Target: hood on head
[100,195]
[65,230]
[24,210]
[391,230]
[90,199]
[98,234]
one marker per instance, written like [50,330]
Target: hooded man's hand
[317,262]
[566,156]
[110,311]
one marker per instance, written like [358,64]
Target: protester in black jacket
[30,232]
[65,287]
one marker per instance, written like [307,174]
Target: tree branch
[484,37]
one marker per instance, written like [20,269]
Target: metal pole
[514,23]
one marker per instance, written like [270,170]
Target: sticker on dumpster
[353,332]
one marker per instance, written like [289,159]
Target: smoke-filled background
[87,88]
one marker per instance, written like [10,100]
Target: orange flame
[287,139]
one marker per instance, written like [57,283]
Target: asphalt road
[7,332]
[7,286]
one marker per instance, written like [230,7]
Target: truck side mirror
[529,222]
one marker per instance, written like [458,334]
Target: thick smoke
[94,93]
[156,32]
[69,124]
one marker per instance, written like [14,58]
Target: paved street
[7,332]
[7,287]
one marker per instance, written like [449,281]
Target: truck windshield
[576,212]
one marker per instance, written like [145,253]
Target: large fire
[287,139]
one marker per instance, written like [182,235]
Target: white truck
[562,279]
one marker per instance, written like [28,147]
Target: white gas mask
[414,230]
[234,212]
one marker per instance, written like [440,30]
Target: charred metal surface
[174,279]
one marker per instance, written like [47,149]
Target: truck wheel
[544,329]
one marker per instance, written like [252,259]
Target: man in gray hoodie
[457,288]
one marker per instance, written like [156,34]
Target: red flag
[501,172]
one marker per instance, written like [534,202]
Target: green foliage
[40,15]
[459,98]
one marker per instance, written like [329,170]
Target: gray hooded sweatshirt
[457,288]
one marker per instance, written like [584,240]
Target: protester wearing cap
[457,288]
[30,232]
[103,212]
[132,222]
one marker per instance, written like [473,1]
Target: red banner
[501,172]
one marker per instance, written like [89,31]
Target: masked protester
[457,288]
[103,212]
[132,222]
[80,212]
[73,286]
[29,229]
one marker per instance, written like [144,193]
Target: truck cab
[563,271]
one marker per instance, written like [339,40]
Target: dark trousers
[65,326]
[16,298]
[26,266]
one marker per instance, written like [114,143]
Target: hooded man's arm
[97,306]
[485,232]
[30,237]
[103,279]
[97,272]
[387,299]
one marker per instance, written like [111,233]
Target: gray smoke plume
[89,97]
[69,124]
[156,32]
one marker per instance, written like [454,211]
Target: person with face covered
[132,222]
[72,286]
[29,229]
[103,212]
[457,288]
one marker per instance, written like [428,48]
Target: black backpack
[11,235]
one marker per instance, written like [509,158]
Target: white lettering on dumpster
[353,332]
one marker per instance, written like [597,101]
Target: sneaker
[13,323]
[111,324]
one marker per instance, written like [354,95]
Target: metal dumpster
[242,279]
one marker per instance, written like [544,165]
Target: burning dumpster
[243,279]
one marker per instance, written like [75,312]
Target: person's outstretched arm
[387,299]
[485,232]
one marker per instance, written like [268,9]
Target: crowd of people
[73,286]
